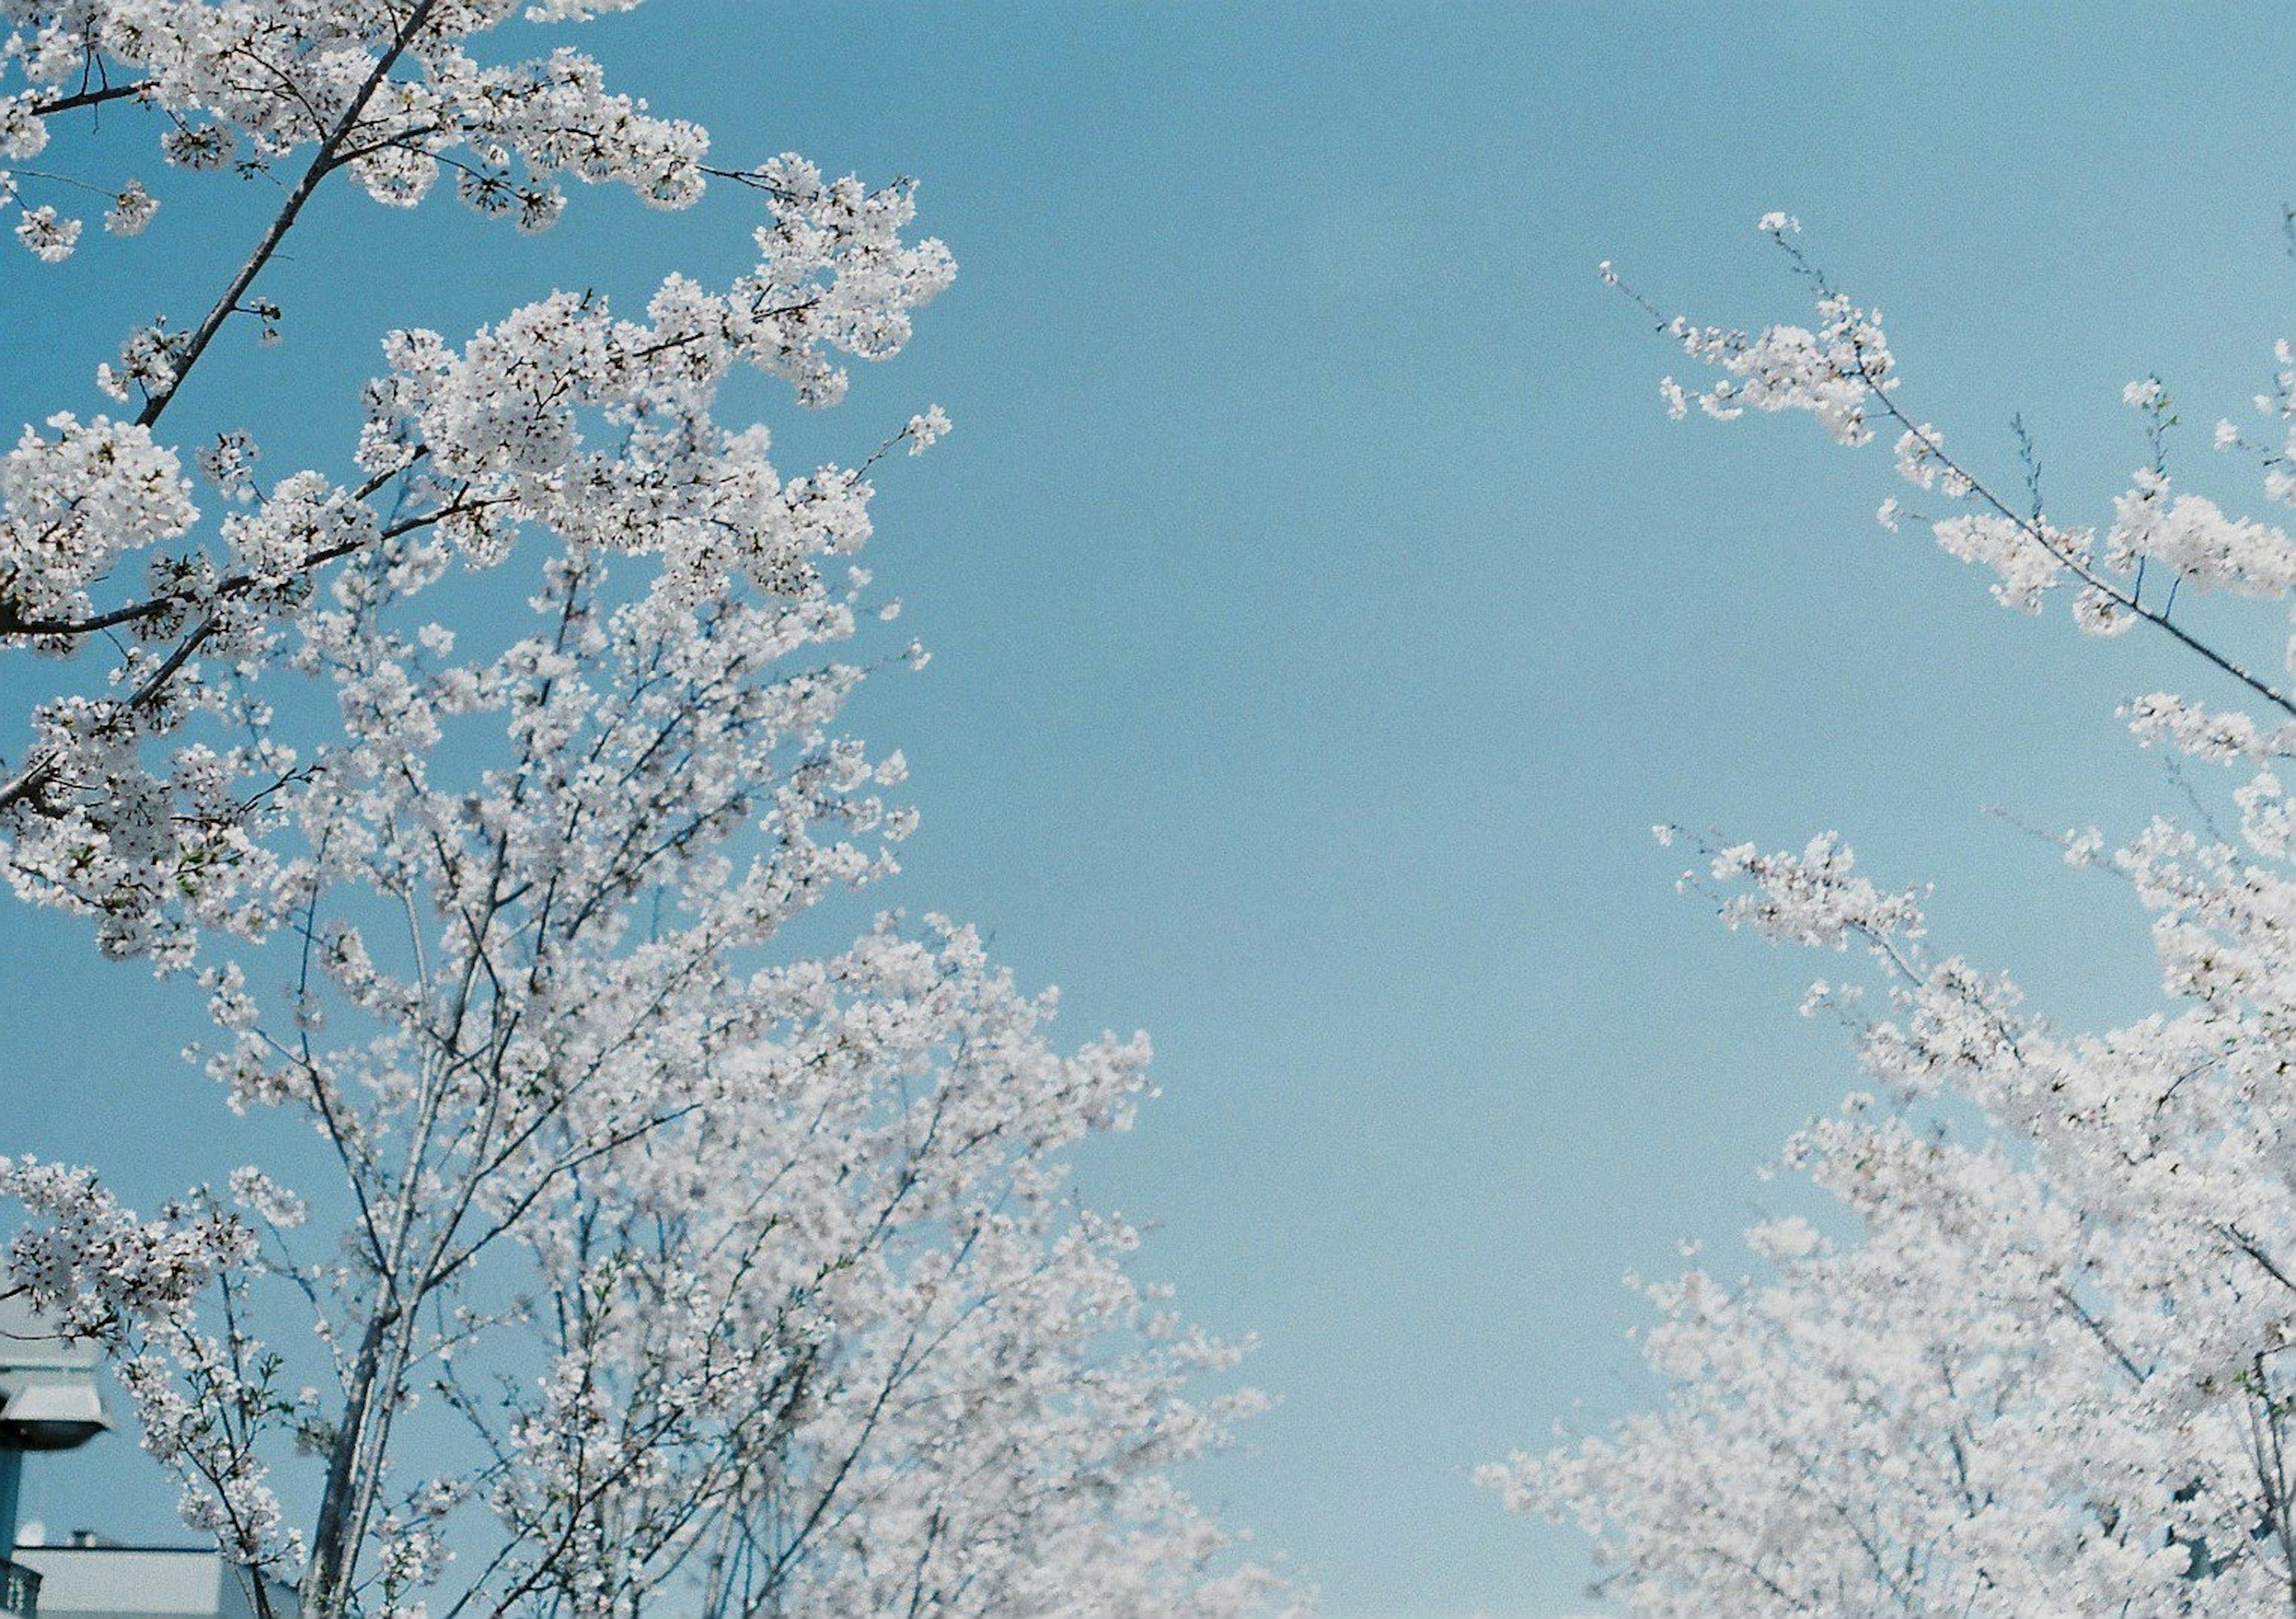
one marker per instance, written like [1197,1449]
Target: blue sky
[1323,609]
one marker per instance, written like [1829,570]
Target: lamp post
[49,1401]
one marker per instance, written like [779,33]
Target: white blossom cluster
[493,435]
[2040,1366]
[146,800]
[1836,372]
[2158,542]
[392,95]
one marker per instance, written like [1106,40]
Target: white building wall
[141,1583]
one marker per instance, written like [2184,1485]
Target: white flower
[45,236]
[131,210]
[926,430]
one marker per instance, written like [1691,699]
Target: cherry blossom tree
[653,1259]
[2041,1365]
[559,417]
[668,1264]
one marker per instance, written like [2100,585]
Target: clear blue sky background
[1324,611]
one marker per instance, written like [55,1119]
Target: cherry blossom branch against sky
[1322,608]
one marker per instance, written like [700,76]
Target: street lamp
[49,1401]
